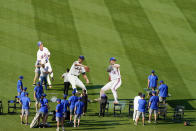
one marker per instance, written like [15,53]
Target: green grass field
[142,34]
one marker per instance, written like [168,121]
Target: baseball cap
[39,43]
[64,96]
[103,95]
[81,57]
[26,93]
[143,95]
[113,58]
[161,81]
[58,100]
[38,83]
[25,88]
[153,71]
[73,92]
[154,92]
[44,95]
[21,77]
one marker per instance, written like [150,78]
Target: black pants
[102,108]
[66,87]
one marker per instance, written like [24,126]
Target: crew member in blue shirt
[163,92]
[153,106]
[59,114]
[38,91]
[23,93]
[20,85]
[152,80]
[72,100]
[44,106]
[65,104]
[141,109]
[26,103]
[78,111]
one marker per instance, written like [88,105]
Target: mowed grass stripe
[62,38]
[176,35]
[143,46]
[100,41]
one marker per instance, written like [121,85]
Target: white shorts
[114,84]
[75,81]
[139,113]
[25,112]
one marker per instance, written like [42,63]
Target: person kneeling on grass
[153,107]
[43,110]
[59,115]
[25,102]
[78,111]
[141,109]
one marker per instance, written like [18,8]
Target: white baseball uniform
[115,82]
[73,74]
[44,55]
[136,105]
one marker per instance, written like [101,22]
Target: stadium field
[142,35]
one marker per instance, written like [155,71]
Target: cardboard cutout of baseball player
[44,54]
[115,79]
[76,69]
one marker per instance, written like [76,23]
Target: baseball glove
[87,69]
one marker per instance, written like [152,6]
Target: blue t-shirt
[72,100]
[19,84]
[163,89]
[25,102]
[154,102]
[142,105]
[153,81]
[59,109]
[65,104]
[79,107]
[23,94]
[38,91]
[43,107]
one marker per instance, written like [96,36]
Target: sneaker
[155,122]
[144,124]
[78,125]
[74,126]
[57,129]
[149,121]
[63,129]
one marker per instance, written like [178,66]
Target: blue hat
[154,92]
[25,88]
[44,95]
[81,57]
[73,92]
[27,93]
[143,95]
[161,81]
[113,58]
[39,43]
[65,96]
[79,98]
[103,95]
[38,83]
[21,77]
[58,100]
[153,71]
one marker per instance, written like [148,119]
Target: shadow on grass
[94,87]
[182,102]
